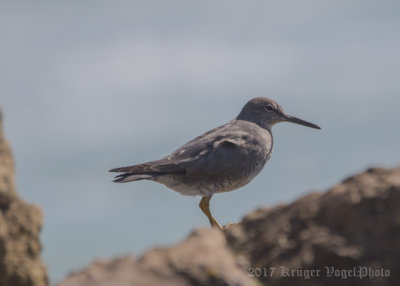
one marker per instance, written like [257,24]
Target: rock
[20,225]
[356,223]
[202,259]
[353,227]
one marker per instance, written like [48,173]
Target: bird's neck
[259,121]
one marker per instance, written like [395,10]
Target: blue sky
[87,86]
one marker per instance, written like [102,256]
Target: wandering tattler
[221,160]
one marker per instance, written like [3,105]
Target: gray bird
[221,160]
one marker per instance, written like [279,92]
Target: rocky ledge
[349,235]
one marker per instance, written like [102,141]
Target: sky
[86,86]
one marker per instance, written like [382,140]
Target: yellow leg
[205,207]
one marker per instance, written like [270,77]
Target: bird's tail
[146,171]
[129,177]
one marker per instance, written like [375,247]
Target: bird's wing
[220,151]
[215,153]
[159,166]
[222,156]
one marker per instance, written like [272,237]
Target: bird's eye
[269,108]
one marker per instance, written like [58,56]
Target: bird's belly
[240,180]
[189,186]
[208,186]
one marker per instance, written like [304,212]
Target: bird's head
[267,112]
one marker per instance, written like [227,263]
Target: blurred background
[86,86]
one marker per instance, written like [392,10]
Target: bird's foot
[216,224]
[228,225]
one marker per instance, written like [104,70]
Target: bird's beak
[296,120]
